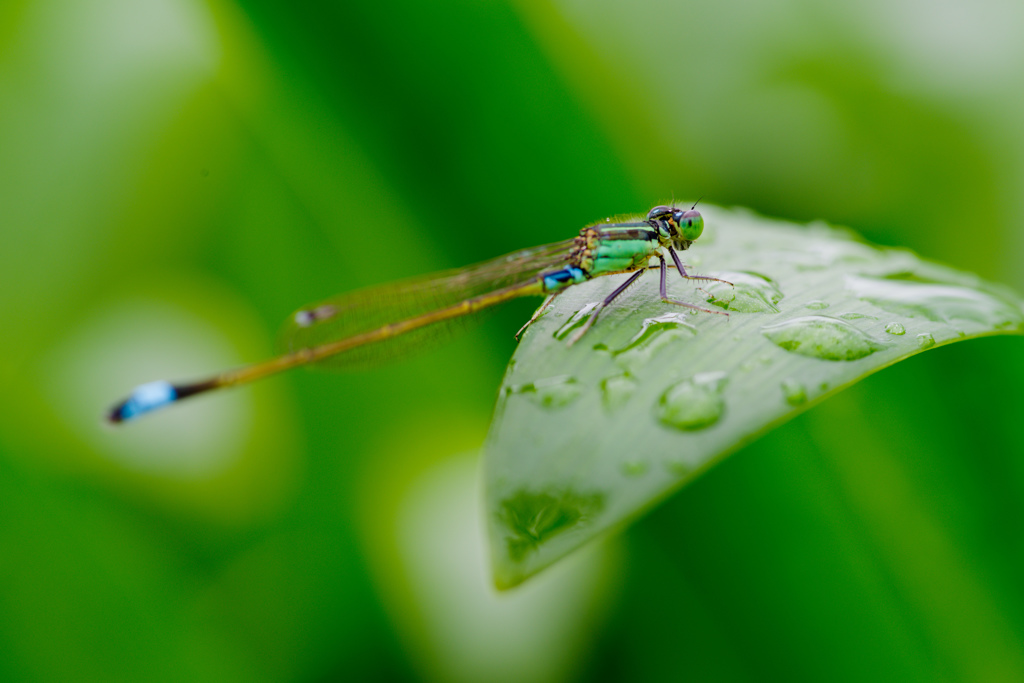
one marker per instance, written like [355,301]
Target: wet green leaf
[654,394]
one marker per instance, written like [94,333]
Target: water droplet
[634,468]
[616,391]
[895,328]
[749,293]
[678,467]
[857,316]
[693,403]
[794,392]
[577,320]
[654,335]
[819,336]
[600,347]
[553,392]
[937,302]
[816,305]
[533,518]
[925,340]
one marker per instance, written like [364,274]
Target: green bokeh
[177,176]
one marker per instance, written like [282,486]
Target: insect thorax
[597,251]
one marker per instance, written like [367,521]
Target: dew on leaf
[748,293]
[819,336]
[678,467]
[634,468]
[654,335]
[694,403]
[794,392]
[578,319]
[553,392]
[616,391]
[532,518]
[936,302]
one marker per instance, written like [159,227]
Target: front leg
[682,269]
[664,290]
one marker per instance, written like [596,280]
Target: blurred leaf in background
[176,176]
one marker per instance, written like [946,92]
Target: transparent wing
[368,309]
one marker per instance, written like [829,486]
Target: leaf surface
[586,438]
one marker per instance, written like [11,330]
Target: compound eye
[658,212]
[691,224]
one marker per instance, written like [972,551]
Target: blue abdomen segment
[144,399]
[560,279]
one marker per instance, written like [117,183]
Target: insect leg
[682,270]
[607,300]
[664,290]
[536,314]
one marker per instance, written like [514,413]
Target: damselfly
[355,327]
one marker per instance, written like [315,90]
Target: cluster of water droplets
[552,392]
[956,306]
[698,402]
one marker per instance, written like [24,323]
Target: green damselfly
[357,326]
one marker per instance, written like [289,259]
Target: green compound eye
[691,224]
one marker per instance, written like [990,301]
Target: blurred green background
[177,176]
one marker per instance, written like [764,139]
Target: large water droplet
[819,336]
[654,335]
[694,403]
[937,302]
[749,293]
[533,518]
[925,340]
[896,328]
[616,391]
[577,320]
[794,392]
[553,392]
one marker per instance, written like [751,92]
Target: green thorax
[611,250]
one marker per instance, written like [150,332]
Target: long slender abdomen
[154,395]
